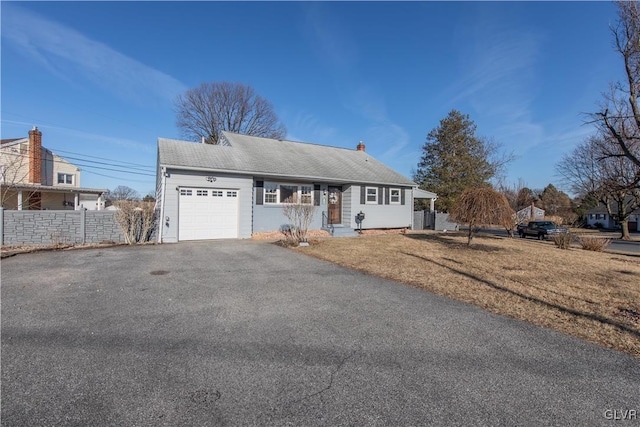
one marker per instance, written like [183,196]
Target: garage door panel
[208,214]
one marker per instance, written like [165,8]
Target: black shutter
[386,195]
[402,196]
[363,194]
[380,195]
[259,192]
[316,195]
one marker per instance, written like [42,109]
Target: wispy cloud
[304,126]
[338,50]
[69,54]
[83,138]
[498,81]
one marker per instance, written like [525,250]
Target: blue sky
[100,79]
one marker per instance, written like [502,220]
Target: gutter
[273,175]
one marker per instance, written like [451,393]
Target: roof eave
[273,175]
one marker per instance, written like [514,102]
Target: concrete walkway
[248,333]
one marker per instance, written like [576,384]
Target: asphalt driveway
[247,333]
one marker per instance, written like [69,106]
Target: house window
[202,193]
[185,192]
[232,194]
[306,194]
[372,195]
[287,193]
[394,196]
[216,193]
[270,193]
[65,178]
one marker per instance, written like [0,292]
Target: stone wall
[53,227]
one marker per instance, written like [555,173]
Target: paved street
[248,333]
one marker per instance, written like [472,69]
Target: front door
[335,205]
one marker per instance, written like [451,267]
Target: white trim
[399,196]
[269,185]
[338,181]
[162,202]
[366,196]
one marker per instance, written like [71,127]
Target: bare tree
[14,170]
[122,192]
[592,171]
[620,116]
[479,207]
[206,111]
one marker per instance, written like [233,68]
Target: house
[33,177]
[239,187]
[598,217]
[530,213]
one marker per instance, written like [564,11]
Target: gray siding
[268,217]
[53,227]
[348,215]
[380,215]
[196,179]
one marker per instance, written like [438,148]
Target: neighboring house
[239,187]
[33,177]
[530,213]
[599,217]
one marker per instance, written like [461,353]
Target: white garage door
[207,213]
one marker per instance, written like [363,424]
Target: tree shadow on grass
[454,244]
[531,298]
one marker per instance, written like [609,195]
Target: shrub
[563,240]
[596,244]
[300,216]
[136,219]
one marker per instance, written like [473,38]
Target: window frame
[366,194]
[65,176]
[391,196]
[273,191]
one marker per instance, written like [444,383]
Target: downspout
[162,195]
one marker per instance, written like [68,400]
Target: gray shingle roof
[278,158]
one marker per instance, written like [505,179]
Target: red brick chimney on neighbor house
[360,146]
[35,156]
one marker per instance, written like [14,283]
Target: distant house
[239,187]
[32,177]
[598,217]
[530,213]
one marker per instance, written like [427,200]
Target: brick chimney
[360,146]
[35,156]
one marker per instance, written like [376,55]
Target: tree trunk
[625,229]
[470,236]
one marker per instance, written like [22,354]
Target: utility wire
[98,157]
[115,177]
[91,166]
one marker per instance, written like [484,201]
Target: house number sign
[211,179]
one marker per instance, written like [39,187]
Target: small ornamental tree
[479,207]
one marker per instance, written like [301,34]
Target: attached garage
[207,213]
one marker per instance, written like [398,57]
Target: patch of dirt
[9,251]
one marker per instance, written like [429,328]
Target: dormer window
[65,178]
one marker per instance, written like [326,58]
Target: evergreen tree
[454,159]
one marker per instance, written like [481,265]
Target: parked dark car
[540,229]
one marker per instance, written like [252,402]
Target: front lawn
[594,296]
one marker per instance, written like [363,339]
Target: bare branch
[206,111]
